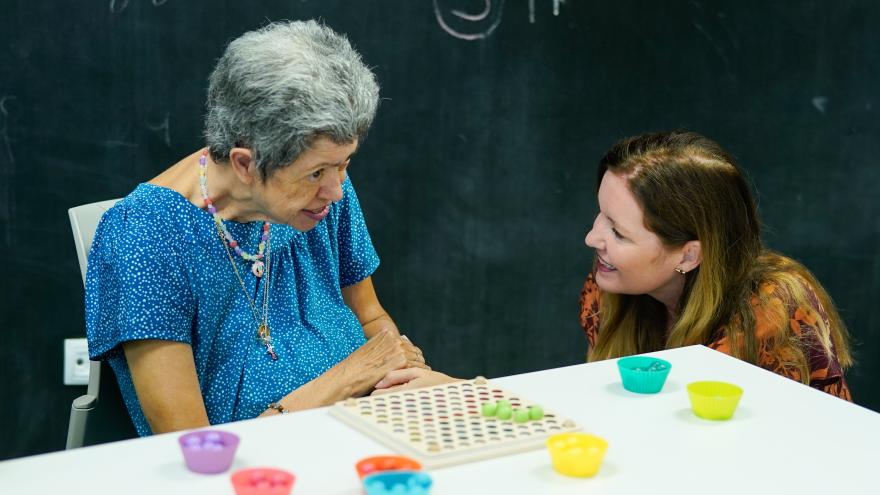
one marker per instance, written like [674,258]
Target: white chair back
[84,221]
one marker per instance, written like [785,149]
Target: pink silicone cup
[262,481]
[208,451]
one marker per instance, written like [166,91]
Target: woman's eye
[616,233]
[316,174]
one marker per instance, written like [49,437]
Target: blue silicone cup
[643,374]
[398,483]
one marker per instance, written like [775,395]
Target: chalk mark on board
[165,126]
[4,127]
[705,23]
[556,4]
[718,49]
[117,6]
[474,18]
[821,103]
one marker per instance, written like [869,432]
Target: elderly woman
[237,283]
[679,261]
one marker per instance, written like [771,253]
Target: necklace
[258,267]
[263,332]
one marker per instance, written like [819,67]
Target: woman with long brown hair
[679,261]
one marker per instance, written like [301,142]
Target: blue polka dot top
[158,270]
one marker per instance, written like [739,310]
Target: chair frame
[83,222]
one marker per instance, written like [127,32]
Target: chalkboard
[477,179]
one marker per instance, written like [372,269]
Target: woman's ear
[691,256]
[242,162]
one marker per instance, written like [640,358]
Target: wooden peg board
[443,426]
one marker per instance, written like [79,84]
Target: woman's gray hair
[275,90]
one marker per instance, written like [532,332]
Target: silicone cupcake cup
[643,374]
[208,451]
[262,481]
[576,454]
[379,463]
[398,483]
[714,400]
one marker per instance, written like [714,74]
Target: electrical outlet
[76,362]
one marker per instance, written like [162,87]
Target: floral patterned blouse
[825,371]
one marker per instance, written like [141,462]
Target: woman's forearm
[382,322]
[356,375]
[338,383]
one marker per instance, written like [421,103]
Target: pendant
[258,268]
[266,338]
[270,350]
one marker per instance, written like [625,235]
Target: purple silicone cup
[208,451]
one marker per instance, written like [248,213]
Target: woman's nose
[332,189]
[592,239]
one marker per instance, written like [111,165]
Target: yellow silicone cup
[714,400]
[576,454]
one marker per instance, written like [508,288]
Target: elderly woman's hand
[410,378]
[383,353]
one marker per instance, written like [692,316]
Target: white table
[785,438]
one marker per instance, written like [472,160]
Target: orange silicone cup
[375,464]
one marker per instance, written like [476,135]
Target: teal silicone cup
[643,374]
[398,483]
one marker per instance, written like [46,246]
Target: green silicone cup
[643,374]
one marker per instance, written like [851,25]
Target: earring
[680,271]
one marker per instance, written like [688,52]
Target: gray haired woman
[237,283]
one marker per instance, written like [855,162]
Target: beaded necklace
[263,332]
[258,266]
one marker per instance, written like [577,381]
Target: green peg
[536,412]
[504,411]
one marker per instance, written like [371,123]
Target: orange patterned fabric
[825,371]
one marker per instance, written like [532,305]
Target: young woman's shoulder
[787,300]
[795,331]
